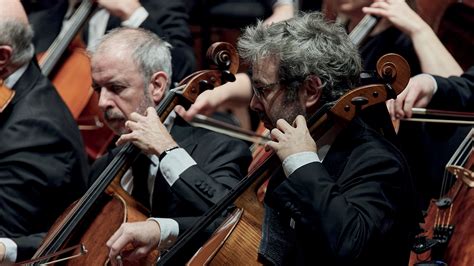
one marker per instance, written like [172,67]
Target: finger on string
[300,121]
[114,237]
[150,111]
[283,125]
[186,115]
[132,125]
[118,245]
[375,11]
[134,116]
[270,145]
[276,134]
[124,138]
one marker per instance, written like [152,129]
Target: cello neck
[363,29]
[62,41]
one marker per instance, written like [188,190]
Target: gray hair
[18,35]
[150,53]
[305,45]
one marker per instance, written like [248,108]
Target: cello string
[458,158]
[362,29]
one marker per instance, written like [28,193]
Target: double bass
[81,232]
[236,241]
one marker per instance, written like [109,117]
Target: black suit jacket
[221,162]
[167,19]
[43,167]
[355,208]
[455,93]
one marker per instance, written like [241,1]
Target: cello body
[113,208]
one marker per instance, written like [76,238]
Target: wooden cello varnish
[6,95]
[452,224]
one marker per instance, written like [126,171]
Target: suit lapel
[27,81]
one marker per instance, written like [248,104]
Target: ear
[158,85]
[5,56]
[313,91]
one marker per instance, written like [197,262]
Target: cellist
[43,167]
[183,170]
[426,146]
[347,200]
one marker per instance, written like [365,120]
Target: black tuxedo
[43,167]
[221,163]
[455,93]
[354,208]
[167,19]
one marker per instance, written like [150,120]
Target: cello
[6,95]
[84,229]
[236,241]
[67,65]
[448,237]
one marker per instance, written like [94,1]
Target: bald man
[43,166]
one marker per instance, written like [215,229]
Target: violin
[236,241]
[6,95]
[448,237]
[67,65]
[83,230]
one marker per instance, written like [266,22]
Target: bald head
[13,10]
[16,48]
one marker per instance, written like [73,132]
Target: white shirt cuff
[169,232]
[136,19]
[283,2]
[174,164]
[10,250]
[435,84]
[295,161]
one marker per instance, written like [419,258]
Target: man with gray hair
[183,170]
[345,198]
[43,167]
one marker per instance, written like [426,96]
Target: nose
[105,99]
[255,104]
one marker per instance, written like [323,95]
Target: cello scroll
[394,72]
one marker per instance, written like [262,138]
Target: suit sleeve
[459,91]
[348,213]
[37,170]
[221,163]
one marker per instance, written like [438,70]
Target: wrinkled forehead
[265,70]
